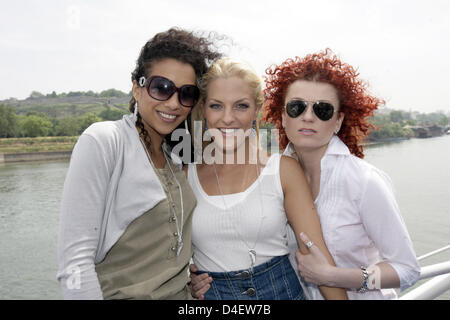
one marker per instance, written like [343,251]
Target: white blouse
[360,219]
[225,228]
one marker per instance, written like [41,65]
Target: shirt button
[173,248]
[175,234]
[172,219]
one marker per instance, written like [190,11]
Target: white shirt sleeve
[82,208]
[382,220]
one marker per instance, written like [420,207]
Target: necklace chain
[251,249]
[179,229]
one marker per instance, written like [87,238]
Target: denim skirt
[272,280]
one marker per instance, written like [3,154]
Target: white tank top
[255,219]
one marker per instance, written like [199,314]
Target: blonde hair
[226,68]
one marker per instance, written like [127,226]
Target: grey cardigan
[110,182]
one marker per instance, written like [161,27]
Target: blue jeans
[272,280]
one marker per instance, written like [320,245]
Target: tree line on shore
[90,93]
[39,124]
[41,121]
[398,123]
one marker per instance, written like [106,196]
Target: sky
[400,47]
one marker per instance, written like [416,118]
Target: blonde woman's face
[307,132]
[229,110]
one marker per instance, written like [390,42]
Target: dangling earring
[207,135]
[336,131]
[254,128]
[135,114]
[186,126]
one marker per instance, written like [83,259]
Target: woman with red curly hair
[322,111]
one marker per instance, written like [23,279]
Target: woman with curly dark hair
[126,213]
[322,111]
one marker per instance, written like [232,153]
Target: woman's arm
[381,275]
[315,268]
[384,224]
[302,215]
[82,208]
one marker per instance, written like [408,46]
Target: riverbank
[34,156]
[36,149]
[38,144]
[386,140]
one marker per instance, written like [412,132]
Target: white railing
[434,270]
[430,290]
[434,287]
[432,253]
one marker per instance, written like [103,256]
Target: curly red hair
[355,101]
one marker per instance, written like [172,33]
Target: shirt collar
[335,147]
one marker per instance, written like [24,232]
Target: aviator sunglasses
[162,89]
[323,110]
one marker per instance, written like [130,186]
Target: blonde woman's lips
[228,132]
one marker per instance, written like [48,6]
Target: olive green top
[143,263]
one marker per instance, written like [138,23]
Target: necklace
[177,225]
[251,249]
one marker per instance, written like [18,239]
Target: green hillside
[70,104]
[65,114]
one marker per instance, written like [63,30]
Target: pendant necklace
[177,225]
[251,249]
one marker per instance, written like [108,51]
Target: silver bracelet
[364,287]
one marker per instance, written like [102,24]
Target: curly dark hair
[187,47]
[355,101]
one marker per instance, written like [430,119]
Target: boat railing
[440,282]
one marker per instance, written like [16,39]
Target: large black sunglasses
[162,89]
[323,110]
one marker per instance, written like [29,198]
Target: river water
[30,195]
